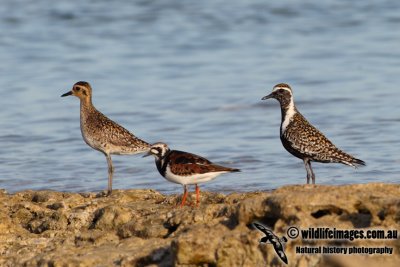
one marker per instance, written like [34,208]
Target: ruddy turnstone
[103,134]
[185,168]
[302,139]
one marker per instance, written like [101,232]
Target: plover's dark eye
[77,89]
[281,90]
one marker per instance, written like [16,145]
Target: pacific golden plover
[103,134]
[302,139]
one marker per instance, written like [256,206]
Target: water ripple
[192,74]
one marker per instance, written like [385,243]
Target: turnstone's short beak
[271,95]
[147,154]
[67,94]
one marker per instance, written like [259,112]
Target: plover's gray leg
[110,174]
[310,173]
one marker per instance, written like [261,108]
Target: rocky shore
[146,228]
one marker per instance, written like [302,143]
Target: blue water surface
[192,74]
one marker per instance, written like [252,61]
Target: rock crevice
[145,228]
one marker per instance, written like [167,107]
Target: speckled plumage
[103,134]
[302,139]
[185,168]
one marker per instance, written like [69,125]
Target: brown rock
[111,217]
[197,246]
[145,228]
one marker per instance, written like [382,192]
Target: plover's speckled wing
[310,142]
[109,133]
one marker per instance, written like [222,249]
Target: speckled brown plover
[185,168]
[302,139]
[103,134]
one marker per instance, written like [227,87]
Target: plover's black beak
[67,94]
[147,154]
[271,95]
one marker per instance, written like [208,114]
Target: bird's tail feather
[358,162]
[353,162]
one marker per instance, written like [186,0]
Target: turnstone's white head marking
[158,150]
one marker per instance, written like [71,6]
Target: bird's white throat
[290,112]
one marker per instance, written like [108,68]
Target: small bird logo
[274,240]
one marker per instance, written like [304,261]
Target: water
[192,73]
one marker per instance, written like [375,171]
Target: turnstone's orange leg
[185,193]
[197,195]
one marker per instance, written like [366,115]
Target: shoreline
[144,228]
